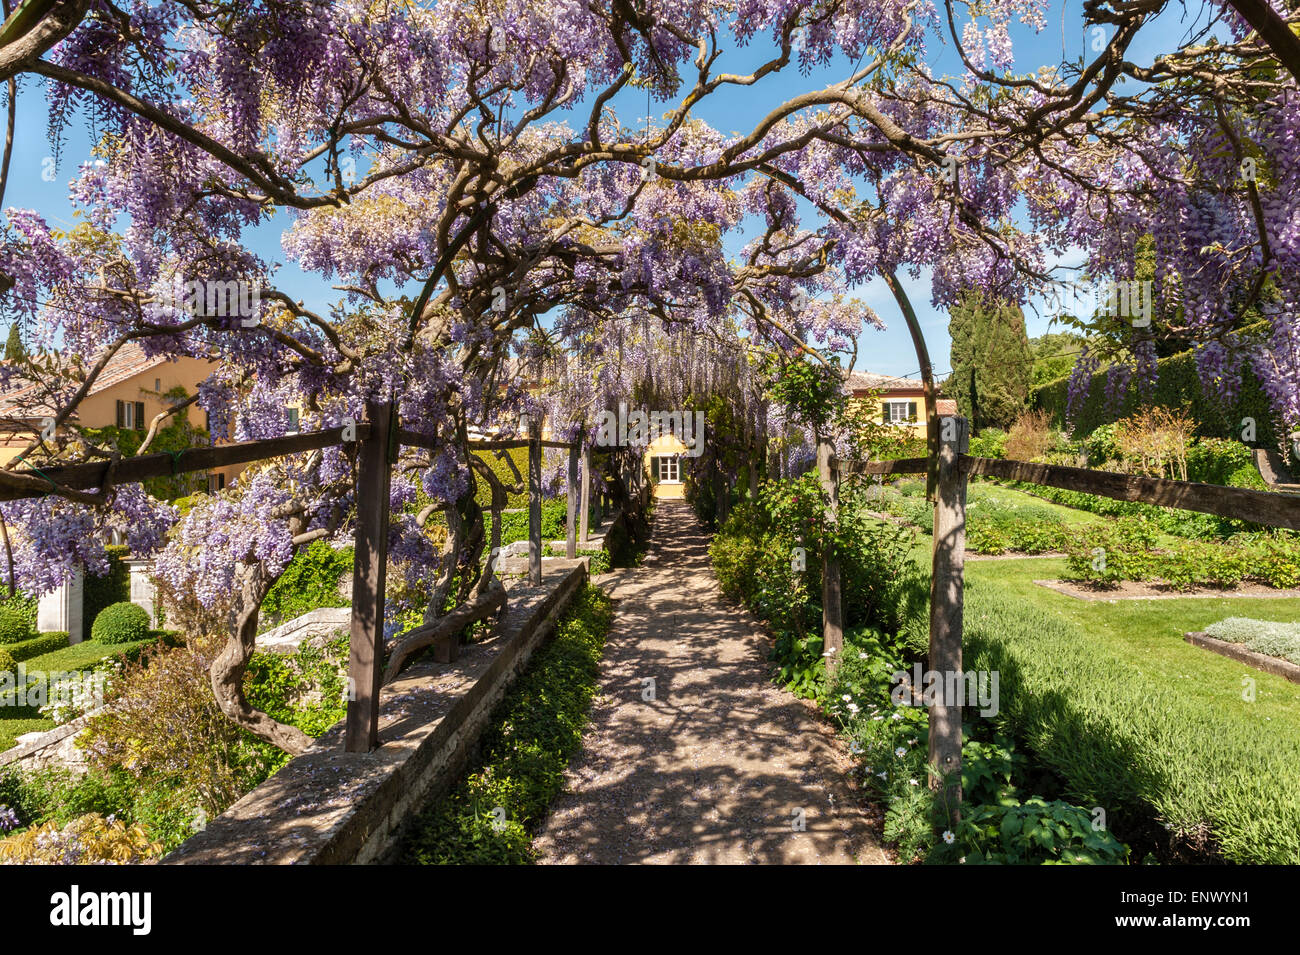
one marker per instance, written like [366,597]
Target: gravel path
[714,767]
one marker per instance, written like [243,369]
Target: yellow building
[129,393]
[666,462]
[900,401]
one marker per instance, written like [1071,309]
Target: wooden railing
[375,438]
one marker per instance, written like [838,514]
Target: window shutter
[654,469]
[911,410]
[121,414]
[884,412]
[139,416]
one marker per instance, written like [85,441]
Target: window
[669,469]
[293,420]
[216,482]
[130,415]
[898,411]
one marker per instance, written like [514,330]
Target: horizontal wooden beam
[901,466]
[82,477]
[1258,507]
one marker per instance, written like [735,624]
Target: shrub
[7,662]
[1100,446]
[1030,437]
[88,839]
[34,647]
[1155,441]
[990,443]
[113,587]
[598,560]
[524,751]
[23,604]
[1035,832]
[1220,461]
[14,626]
[1123,550]
[514,525]
[306,689]
[164,721]
[121,623]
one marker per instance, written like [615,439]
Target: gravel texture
[721,764]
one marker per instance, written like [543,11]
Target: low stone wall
[317,625]
[52,748]
[1261,661]
[332,807]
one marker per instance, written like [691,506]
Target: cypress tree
[992,363]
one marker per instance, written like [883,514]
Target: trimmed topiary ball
[14,626]
[121,623]
[7,664]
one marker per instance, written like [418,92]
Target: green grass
[979,491]
[1148,635]
[83,654]
[1134,719]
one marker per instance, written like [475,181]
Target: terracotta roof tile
[129,361]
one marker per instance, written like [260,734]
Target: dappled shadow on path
[693,755]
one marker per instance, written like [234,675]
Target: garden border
[1260,661]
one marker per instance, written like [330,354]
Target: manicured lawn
[81,655]
[1148,634]
[16,720]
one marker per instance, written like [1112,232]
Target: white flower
[912,742]
[911,782]
[862,656]
[897,716]
[847,697]
[950,838]
[853,708]
[900,752]
[881,774]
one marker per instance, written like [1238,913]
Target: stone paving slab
[713,769]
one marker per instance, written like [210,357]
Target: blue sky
[37,182]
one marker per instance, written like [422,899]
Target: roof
[24,401]
[866,381]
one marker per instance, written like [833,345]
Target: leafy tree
[1054,355]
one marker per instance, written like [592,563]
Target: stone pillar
[62,608]
[142,593]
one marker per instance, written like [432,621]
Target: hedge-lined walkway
[713,769]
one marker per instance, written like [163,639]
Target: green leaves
[1035,832]
[489,818]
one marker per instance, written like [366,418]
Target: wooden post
[571,511]
[369,568]
[535,502]
[946,610]
[585,497]
[832,599]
